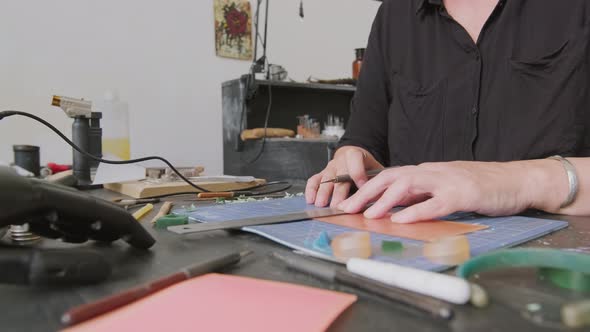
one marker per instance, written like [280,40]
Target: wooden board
[142,189]
[422,231]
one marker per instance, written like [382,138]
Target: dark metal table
[39,308]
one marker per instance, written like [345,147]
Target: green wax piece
[391,246]
[171,220]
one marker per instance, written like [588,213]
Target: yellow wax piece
[143,211]
[352,245]
[452,250]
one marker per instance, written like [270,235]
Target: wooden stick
[164,210]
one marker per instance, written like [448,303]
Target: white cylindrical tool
[440,286]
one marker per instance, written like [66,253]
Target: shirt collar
[420,4]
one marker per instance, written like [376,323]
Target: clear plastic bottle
[115,125]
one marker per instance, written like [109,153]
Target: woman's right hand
[350,160]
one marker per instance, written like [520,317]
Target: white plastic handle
[441,286]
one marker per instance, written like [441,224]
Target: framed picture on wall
[233,29]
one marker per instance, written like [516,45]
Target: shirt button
[477,56]
[474,110]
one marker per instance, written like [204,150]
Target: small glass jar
[356,65]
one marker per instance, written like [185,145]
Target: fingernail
[369,214]
[399,219]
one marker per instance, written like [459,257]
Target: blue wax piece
[322,243]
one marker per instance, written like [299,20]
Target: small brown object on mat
[258,133]
[422,231]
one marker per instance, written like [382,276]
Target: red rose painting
[237,22]
[233,32]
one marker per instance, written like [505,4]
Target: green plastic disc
[565,269]
[567,279]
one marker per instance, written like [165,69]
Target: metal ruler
[239,223]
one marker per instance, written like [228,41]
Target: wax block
[322,243]
[452,250]
[143,211]
[352,245]
[171,220]
[391,246]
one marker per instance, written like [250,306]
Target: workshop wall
[160,58]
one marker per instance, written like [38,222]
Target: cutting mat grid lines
[502,232]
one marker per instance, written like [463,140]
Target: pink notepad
[218,302]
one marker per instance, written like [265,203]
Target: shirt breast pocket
[416,121]
[544,88]
[546,62]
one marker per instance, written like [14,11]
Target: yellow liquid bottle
[118,147]
[115,127]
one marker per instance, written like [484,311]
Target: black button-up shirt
[427,92]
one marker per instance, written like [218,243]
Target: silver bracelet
[572,178]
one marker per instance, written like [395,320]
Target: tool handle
[441,286]
[212,265]
[90,310]
[342,178]
[370,174]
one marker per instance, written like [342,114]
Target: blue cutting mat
[502,232]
